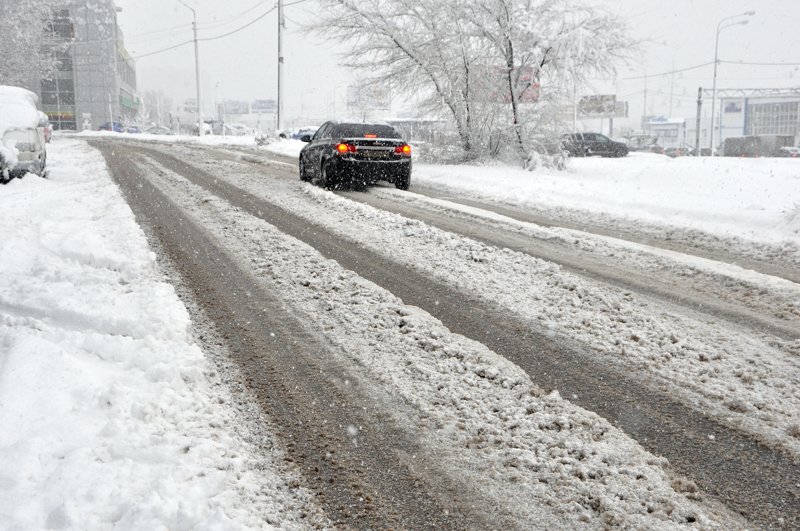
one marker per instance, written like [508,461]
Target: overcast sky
[243,65]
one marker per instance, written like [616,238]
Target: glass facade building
[95,78]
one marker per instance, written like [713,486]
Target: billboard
[364,97]
[259,106]
[598,106]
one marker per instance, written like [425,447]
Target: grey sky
[242,66]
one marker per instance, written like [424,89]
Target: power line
[223,22]
[154,32]
[142,56]
[237,30]
[695,67]
[273,8]
[758,64]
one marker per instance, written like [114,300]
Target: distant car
[158,130]
[590,144]
[789,151]
[236,130]
[133,129]
[356,154]
[117,127]
[704,152]
[303,131]
[677,152]
[47,128]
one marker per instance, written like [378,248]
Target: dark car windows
[323,132]
[362,130]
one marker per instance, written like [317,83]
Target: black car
[588,144]
[342,154]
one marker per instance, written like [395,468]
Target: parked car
[677,152]
[303,131]
[31,152]
[356,154]
[236,130]
[789,151]
[47,128]
[133,129]
[117,127]
[704,152]
[589,144]
[22,133]
[158,130]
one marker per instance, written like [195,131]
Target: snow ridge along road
[757,481]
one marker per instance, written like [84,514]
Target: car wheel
[327,178]
[403,181]
[303,173]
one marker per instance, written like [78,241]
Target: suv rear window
[362,130]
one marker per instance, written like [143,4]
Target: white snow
[755,199]
[111,416]
[747,380]
[533,454]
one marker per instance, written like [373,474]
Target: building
[669,132]
[95,78]
[759,112]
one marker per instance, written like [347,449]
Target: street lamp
[720,27]
[200,125]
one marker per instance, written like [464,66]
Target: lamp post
[720,27]
[200,125]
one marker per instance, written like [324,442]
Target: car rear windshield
[365,130]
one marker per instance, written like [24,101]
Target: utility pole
[721,27]
[200,125]
[671,86]
[279,125]
[699,110]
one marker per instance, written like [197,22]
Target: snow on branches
[500,69]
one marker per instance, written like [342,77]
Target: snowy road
[700,365]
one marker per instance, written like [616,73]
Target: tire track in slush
[738,471]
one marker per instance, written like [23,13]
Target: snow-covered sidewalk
[110,415]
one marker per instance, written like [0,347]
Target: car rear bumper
[371,170]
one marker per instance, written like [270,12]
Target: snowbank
[208,140]
[753,199]
[108,415]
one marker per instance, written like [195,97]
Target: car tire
[303,173]
[403,181]
[326,177]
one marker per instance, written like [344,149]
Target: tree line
[503,72]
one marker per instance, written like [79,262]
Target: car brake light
[370,135]
[405,149]
[343,148]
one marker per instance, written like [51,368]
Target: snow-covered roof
[8,93]
[17,108]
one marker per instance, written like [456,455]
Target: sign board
[263,106]
[599,106]
[369,98]
[733,106]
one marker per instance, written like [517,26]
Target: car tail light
[405,149]
[370,135]
[344,149]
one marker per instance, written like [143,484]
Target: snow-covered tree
[499,68]
[25,56]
